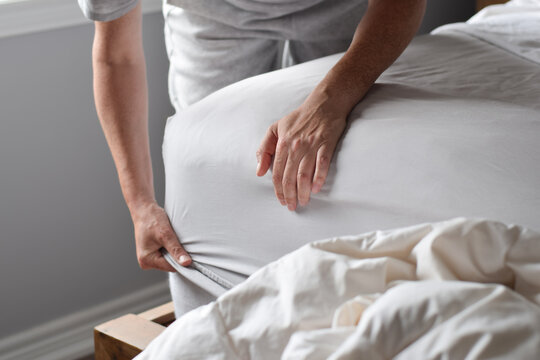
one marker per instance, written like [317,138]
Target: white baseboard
[70,337]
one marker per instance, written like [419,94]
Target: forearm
[383,33]
[120,92]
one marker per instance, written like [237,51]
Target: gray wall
[66,239]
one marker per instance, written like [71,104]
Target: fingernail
[183,259]
[258,167]
[291,207]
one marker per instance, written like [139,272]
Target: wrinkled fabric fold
[462,288]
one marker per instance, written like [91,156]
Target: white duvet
[460,289]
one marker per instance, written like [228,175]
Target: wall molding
[18,17]
[71,336]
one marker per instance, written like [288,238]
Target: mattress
[450,129]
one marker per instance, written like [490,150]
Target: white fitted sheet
[451,129]
[512,26]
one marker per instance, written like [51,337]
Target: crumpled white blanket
[459,289]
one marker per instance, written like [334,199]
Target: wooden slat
[163,314]
[125,337]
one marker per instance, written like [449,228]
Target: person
[213,43]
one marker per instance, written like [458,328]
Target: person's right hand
[153,231]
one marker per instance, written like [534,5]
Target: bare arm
[302,143]
[384,32]
[120,92]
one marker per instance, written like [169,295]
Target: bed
[450,130]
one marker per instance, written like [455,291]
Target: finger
[296,154]
[305,178]
[161,263]
[173,247]
[280,160]
[155,260]
[324,155]
[289,183]
[266,151]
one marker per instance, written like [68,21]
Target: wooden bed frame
[125,337]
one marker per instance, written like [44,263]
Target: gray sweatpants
[210,47]
[212,44]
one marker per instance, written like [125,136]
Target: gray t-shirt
[106,10]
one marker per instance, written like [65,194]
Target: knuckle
[324,135]
[276,178]
[319,179]
[324,159]
[283,143]
[324,138]
[288,183]
[297,144]
[278,163]
[303,177]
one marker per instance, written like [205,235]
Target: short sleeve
[106,10]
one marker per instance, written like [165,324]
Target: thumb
[173,247]
[267,150]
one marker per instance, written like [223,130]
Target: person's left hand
[302,144]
